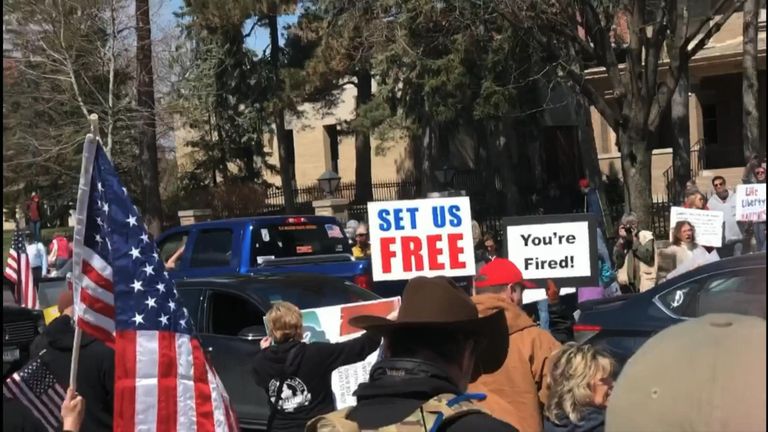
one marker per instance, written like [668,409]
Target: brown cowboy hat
[440,304]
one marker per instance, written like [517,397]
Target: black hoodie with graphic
[95,373]
[307,393]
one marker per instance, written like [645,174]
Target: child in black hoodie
[297,376]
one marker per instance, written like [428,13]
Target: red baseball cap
[500,271]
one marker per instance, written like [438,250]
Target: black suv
[20,327]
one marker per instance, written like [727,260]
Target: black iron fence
[698,151]
[489,220]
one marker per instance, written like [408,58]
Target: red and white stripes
[96,301]
[164,383]
[18,271]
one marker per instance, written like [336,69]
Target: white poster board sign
[750,202]
[708,224]
[424,237]
[331,324]
[558,247]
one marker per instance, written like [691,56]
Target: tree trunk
[751,133]
[681,146]
[506,146]
[425,168]
[589,159]
[636,169]
[145,91]
[287,167]
[363,187]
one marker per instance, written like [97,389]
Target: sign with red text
[750,202]
[558,247]
[423,237]
[331,324]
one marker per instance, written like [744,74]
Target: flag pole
[82,197]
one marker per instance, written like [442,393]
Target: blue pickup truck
[263,244]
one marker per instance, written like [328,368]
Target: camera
[628,230]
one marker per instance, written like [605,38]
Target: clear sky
[259,40]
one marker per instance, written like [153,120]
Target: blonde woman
[580,382]
[297,376]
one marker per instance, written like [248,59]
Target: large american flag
[163,380]
[18,271]
[35,387]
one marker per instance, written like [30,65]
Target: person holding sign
[754,173]
[635,256]
[297,375]
[519,384]
[725,201]
[688,254]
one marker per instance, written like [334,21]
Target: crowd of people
[456,362]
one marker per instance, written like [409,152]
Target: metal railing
[697,165]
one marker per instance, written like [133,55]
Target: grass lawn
[46,234]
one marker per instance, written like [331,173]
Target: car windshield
[309,296]
[291,239]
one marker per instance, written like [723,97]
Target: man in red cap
[517,390]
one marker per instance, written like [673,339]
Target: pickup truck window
[212,248]
[296,239]
[172,247]
[228,313]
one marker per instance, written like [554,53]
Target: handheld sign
[750,202]
[558,247]
[424,237]
[708,224]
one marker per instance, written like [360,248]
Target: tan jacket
[634,271]
[516,392]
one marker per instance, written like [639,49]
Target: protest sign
[558,247]
[331,324]
[707,223]
[424,237]
[750,202]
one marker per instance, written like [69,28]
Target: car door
[224,315]
[739,291]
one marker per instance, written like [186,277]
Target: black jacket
[18,418]
[592,420]
[95,373]
[561,321]
[398,387]
[307,393]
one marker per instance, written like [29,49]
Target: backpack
[433,416]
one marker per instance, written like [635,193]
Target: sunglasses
[759,172]
[361,235]
[719,184]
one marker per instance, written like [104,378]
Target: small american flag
[163,381]
[18,271]
[35,387]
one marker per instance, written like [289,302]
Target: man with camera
[635,256]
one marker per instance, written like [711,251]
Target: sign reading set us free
[558,247]
[423,237]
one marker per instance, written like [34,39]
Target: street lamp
[329,182]
[445,175]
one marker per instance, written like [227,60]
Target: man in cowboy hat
[434,348]
[518,388]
